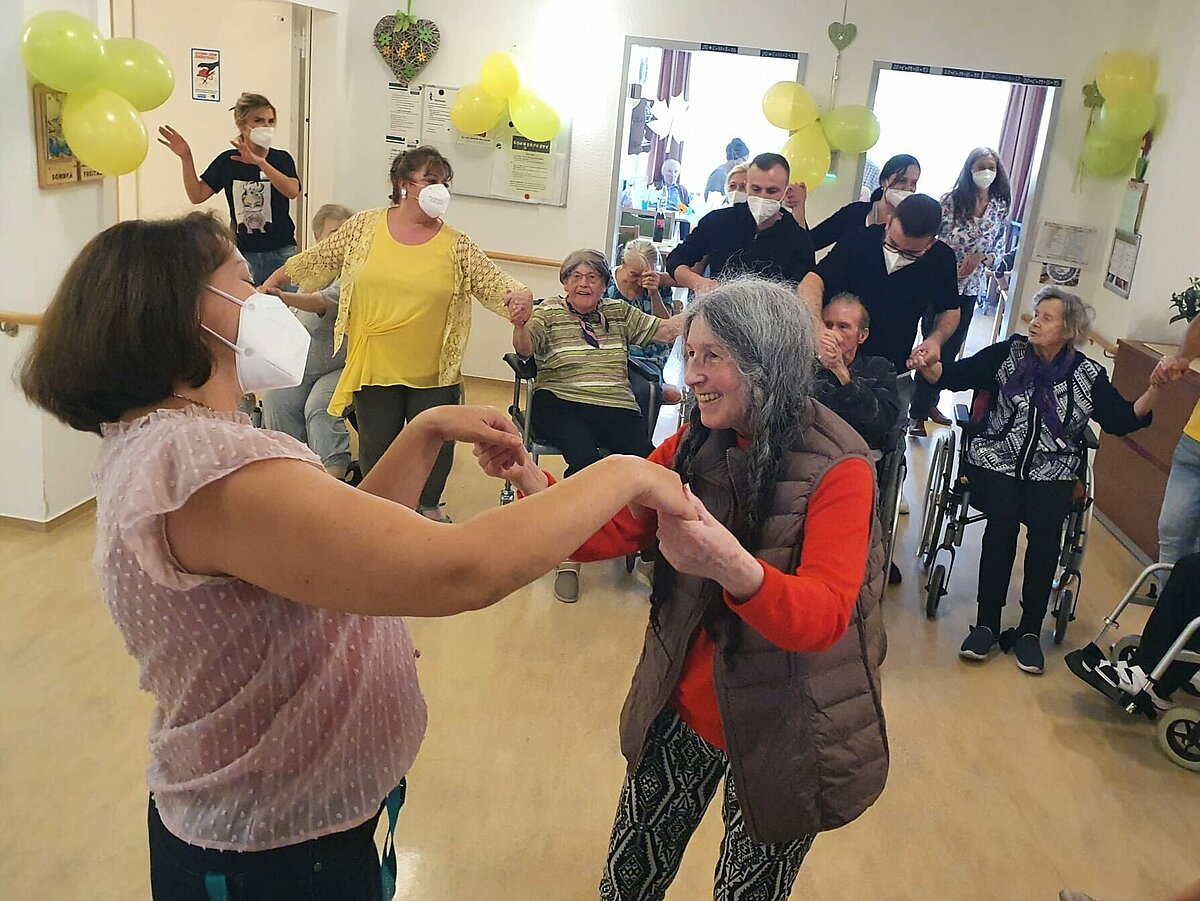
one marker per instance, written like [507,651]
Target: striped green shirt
[575,371]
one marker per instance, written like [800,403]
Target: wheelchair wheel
[630,562]
[895,523]
[937,485]
[1179,737]
[1063,614]
[1124,649]
[934,591]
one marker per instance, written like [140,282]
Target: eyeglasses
[591,278]
[906,254]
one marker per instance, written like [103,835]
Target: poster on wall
[1121,262]
[206,75]
[435,116]
[1063,244]
[525,171]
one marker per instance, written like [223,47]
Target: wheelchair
[1179,726]
[891,471]
[947,513]
[643,380]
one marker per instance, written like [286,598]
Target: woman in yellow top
[405,309]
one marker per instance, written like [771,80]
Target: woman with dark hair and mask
[897,180]
[760,660]
[974,223]
[405,309]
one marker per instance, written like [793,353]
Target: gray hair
[1077,315]
[853,300]
[640,250]
[585,257]
[330,212]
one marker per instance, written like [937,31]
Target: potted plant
[1187,302]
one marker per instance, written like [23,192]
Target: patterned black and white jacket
[1012,439]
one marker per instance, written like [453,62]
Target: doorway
[672,94]
[939,115]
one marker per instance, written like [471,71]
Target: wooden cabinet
[1131,471]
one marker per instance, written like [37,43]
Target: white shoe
[903,504]
[566,582]
[1131,679]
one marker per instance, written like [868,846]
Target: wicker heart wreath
[407,44]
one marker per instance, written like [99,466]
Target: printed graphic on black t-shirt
[260,214]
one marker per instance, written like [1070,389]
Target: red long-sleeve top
[806,611]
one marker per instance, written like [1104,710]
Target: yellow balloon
[474,110]
[138,72]
[807,152]
[1127,118]
[789,105]
[1123,74]
[533,117]
[852,128]
[63,50]
[104,131]
[500,75]
[1108,158]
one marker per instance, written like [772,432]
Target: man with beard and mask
[754,237]
[898,270]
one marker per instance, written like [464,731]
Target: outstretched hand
[702,546]
[173,141]
[1169,369]
[246,152]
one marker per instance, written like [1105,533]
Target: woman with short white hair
[1023,461]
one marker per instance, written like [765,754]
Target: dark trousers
[580,430]
[661,805]
[1178,606]
[339,867]
[925,396]
[383,410]
[1010,503]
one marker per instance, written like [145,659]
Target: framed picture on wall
[56,164]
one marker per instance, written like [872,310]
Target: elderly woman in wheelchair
[582,403]
[1022,463]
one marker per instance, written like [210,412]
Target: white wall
[574,57]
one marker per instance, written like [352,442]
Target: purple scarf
[585,321]
[1038,377]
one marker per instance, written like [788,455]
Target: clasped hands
[519,305]
[1169,369]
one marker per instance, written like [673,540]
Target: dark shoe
[1028,650]
[916,428]
[939,417]
[979,644]
[894,577]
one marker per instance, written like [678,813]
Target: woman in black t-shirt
[259,184]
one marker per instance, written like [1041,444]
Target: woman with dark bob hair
[260,596]
[760,661]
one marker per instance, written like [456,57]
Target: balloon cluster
[852,128]
[478,107]
[108,85]
[1125,88]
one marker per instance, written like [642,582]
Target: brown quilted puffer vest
[806,737]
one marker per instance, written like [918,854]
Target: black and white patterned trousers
[661,805]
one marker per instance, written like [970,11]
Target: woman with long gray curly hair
[760,660]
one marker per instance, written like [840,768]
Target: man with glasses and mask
[758,237]
[898,270]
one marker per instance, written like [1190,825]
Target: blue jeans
[1179,520]
[263,264]
[303,413]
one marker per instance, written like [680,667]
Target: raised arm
[197,190]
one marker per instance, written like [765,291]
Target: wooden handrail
[21,318]
[520,258]
[1093,337]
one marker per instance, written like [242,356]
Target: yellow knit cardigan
[345,251]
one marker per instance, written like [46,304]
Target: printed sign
[206,75]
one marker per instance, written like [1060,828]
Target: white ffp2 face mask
[262,136]
[434,200]
[272,344]
[894,260]
[895,196]
[762,209]
[983,178]
[733,197]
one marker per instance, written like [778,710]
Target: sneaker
[566,582]
[437,514]
[916,428]
[979,644]
[1028,651]
[1131,679]
[894,577]
[903,504]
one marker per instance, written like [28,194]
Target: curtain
[1018,140]
[674,80]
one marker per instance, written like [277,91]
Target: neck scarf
[586,321]
[1034,375]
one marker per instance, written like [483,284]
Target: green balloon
[1128,118]
[1108,158]
[138,72]
[852,128]
[63,51]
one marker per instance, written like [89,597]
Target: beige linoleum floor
[1003,786]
